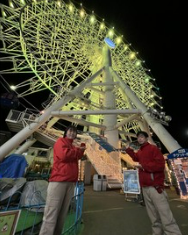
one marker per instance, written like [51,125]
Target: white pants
[159,212]
[59,195]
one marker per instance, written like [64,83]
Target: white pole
[96,112]
[124,121]
[168,141]
[25,146]
[110,121]
[82,122]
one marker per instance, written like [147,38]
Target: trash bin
[99,182]
[104,183]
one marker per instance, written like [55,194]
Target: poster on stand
[8,222]
[131,181]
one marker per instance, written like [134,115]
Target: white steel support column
[24,147]
[110,121]
[95,112]
[28,130]
[168,141]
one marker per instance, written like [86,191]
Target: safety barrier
[30,217]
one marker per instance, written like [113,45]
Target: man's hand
[137,165]
[83,148]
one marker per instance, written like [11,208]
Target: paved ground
[108,213]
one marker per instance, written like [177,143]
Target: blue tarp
[13,166]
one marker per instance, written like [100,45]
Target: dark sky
[157,30]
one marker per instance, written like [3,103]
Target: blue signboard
[180,153]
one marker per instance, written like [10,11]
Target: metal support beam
[124,121]
[168,141]
[83,122]
[24,147]
[95,112]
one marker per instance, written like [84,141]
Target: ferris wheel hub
[110,43]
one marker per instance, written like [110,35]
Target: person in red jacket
[62,181]
[151,164]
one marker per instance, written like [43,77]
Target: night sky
[157,31]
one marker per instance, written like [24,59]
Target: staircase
[105,160]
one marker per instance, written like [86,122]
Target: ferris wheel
[68,51]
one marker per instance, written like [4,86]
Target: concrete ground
[109,213]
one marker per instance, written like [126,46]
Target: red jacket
[65,161]
[153,165]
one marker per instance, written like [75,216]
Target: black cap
[142,133]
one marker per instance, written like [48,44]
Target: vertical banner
[179,163]
[131,181]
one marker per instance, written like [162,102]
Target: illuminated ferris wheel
[61,46]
